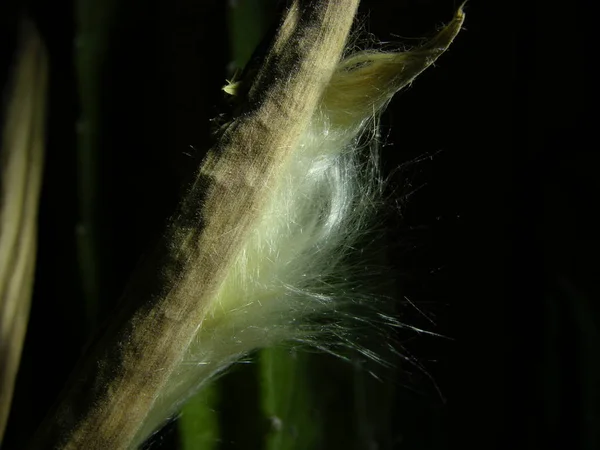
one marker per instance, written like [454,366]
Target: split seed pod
[249,258]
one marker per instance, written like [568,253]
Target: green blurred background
[491,233]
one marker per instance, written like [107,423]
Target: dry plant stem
[21,174]
[110,395]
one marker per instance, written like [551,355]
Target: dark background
[497,240]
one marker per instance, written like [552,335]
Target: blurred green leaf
[94,22]
[248,22]
[287,400]
[199,421]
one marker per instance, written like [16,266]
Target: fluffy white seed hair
[295,264]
